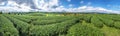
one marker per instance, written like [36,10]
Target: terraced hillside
[59,25]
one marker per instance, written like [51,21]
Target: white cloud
[42,4]
[71,5]
[89,3]
[108,5]
[2,3]
[115,6]
[81,2]
[69,0]
[13,6]
[86,9]
[48,6]
[12,3]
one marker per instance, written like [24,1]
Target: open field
[64,24]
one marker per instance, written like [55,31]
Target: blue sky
[109,6]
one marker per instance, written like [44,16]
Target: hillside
[64,24]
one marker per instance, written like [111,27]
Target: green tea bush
[7,28]
[97,22]
[84,30]
[21,26]
[50,17]
[117,25]
[87,18]
[22,18]
[44,22]
[53,29]
[107,21]
[50,21]
[36,14]
[115,18]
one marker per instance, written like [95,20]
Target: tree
[0,12]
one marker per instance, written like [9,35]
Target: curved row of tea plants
[7,28]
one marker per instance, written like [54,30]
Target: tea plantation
[37,24]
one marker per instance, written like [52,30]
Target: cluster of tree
[0,12]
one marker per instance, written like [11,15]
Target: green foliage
[114,17]
[36,14]
[36,24]
[53,29]
[0,12]
[84,30]
[87,18]
[49,21]
[22,18]
[21,26]
[44,22]
[107,21]
[95,20]
[7,28]
[117,25]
